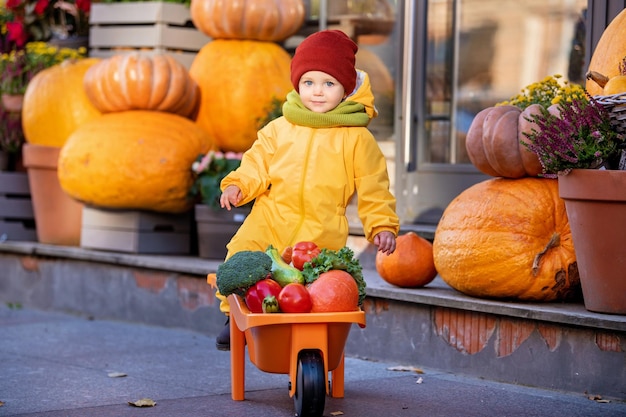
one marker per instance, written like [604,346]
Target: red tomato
[303,252]
[257,293]
[294,298]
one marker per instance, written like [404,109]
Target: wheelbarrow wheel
[310,394]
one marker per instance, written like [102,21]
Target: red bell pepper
[263,289]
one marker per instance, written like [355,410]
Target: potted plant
[43,20]
[578,143]
[215,226]
[17,69]
[19,66]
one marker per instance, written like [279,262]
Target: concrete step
[558,346]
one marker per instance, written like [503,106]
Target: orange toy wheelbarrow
[306,346]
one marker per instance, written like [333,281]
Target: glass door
[459,57]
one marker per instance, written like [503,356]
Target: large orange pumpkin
[142,82]
[262,20]
[55,103]
[493,143]
[610,50]
[238,80]
[508,239]
[411,265]
[135,160]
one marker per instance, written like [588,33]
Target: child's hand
[230,197]
[386,242]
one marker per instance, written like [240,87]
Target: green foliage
[273,111]
[342,259]
[209,171]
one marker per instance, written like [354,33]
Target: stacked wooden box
[136,231]
[150,27]
[17,219]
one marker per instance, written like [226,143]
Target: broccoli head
[241,271]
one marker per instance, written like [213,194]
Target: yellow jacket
[303,178]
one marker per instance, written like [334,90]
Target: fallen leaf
[405,369]
[116,375]
[144,402]
[598,399]
[1,403]
[336,413]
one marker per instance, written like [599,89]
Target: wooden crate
[136,231]
[17,219]
[149,27]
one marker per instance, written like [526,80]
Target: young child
[304,167]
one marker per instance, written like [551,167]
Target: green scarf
[347,113]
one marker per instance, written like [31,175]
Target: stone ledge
[435,294]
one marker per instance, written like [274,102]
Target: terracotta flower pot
[13,102]
[57,216]
[595,201]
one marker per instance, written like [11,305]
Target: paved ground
[57,365]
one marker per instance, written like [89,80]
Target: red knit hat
[329,51]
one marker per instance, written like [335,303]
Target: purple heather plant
[581,136]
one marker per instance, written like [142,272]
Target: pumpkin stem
[555,241]
[598,78]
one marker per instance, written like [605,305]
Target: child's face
[320,92]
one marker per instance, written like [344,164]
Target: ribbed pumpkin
[142,82]
[238,80]
[508,239]
[55,103]
[262,20]
[493,144]
[610,50]
[136,159]
[411,265]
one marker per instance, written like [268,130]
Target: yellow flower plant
[18,67]
[551,90]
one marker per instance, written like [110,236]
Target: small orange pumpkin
[613,85]
[411,265]
[261,20]
[508,239]
[493,143]
[142,82]
[609,51]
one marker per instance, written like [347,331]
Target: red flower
[17,33]
[41,6]
[13,4]
[83,5]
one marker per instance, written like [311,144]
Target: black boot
[222,341]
